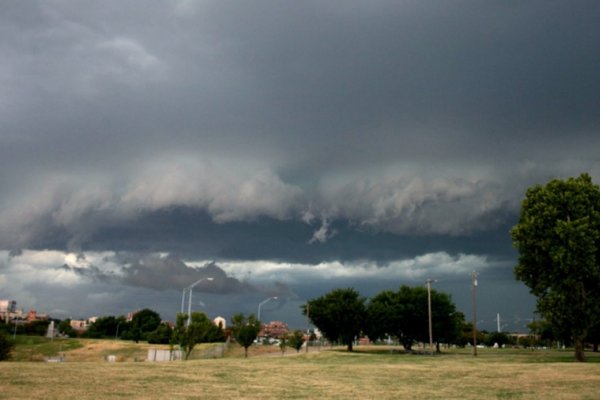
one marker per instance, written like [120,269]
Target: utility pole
[474,300]
[429,281]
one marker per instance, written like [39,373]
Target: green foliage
[35,328]
[162,335]
[296,340]
[65,328]
[466,335]
[497,338]
[245,330]
[30,348]
[339,314]
[106,327]
[404,314]
[382,316]
[144,322]
[283,342]
[544,332]
[558,239]
[200,330]
[4,327]
[6,346]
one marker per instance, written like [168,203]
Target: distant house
[130,315]
[274,329]
[7,307]
[81,325]
[220,321]
[33,315]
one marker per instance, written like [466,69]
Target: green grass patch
[38,348]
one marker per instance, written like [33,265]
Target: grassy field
[369,373]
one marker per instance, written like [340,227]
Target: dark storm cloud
[92,272]
[163,273]
[286,131]
[307,82]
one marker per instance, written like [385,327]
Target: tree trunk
[579,356]
[437,348]
[350,345]
[595,347]
[245,352]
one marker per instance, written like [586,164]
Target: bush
[6,346]
[499,338]
[162,335]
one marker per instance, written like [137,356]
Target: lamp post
[190,289]
[429,281]
[474,301]
[263,302]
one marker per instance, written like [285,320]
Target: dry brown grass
[98,350]
[327,375]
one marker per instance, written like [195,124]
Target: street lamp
[429,281]
[263,302]
[189,289]
[474,301]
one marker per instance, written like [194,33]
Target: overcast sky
[283,148]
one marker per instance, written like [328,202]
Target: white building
[220,321]
[7,307]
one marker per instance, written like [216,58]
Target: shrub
[6,346]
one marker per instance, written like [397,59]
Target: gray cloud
[287,131]
[163,273]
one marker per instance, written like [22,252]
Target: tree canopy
[6,346]
[65,328]
[245,330]
[295,340]
[200,330]
[339,314]
[105,327]
[558,239]
[404,314]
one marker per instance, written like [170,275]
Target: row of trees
[343,315]
[145,325]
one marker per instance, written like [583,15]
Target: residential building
[7,307]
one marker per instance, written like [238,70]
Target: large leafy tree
[339,314]
[383,317]
[448,323]
[245,330]
[558,239]
[404,314]
[145,321]
[162,335]
[141,325]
